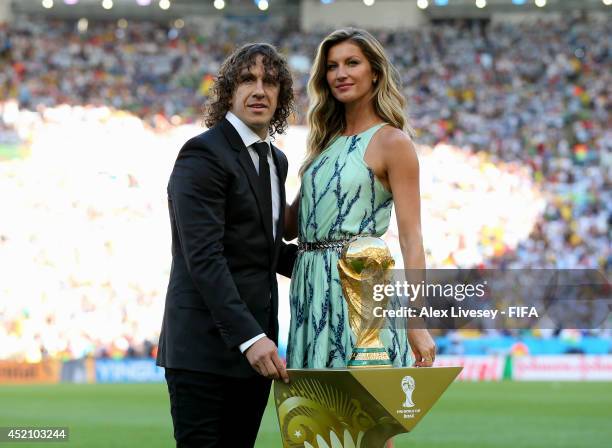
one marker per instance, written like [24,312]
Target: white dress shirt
[248,138]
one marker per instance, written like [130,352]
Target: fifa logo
[408,387]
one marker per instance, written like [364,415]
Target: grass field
[507,414]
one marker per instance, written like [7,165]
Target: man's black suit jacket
[222,288]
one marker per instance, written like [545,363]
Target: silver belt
[337,245]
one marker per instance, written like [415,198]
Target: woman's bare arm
[402,173]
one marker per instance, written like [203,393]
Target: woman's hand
[423,347]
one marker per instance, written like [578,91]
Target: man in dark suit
[226,199]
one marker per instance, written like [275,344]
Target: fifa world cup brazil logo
[365,262]
[408,387]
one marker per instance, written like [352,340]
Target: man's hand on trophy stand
[263,357]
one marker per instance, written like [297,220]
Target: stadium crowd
[521,111]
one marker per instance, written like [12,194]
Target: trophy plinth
[365,262]
[355,408]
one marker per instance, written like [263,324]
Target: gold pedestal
[355,408]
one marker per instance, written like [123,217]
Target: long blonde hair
[326,119]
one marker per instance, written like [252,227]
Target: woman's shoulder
[393,142]
[390,135]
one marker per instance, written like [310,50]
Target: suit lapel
[246,163]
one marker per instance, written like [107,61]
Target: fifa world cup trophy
[365,262]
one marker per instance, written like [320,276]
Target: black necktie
[265,185]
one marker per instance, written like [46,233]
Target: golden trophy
[365,262]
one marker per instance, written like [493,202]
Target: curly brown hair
[229,77]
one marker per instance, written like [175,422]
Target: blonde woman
[360,161]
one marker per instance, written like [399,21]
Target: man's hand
[263,357]
[423,347]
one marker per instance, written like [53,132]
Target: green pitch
[469,415]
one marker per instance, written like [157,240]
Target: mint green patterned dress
[340,197]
